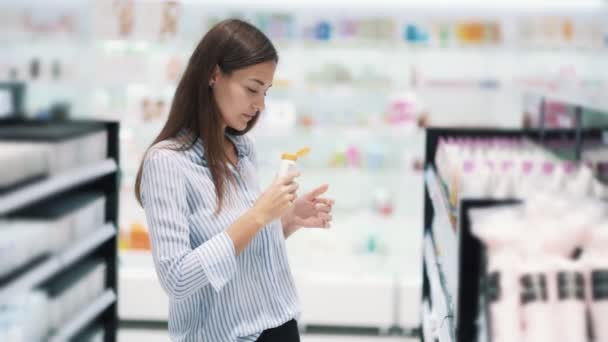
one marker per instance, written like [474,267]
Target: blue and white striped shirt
[214,295]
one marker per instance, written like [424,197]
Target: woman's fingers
[325,201]
[324,208]
[317,192]
[325,216]
[291,188]
[324,205]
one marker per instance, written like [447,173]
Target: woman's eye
[253,91]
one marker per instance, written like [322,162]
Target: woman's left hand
[310,211]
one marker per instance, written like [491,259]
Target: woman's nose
[259,106]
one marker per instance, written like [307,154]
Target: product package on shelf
[70,217]
[522,257]
[24,242]
[70,145]
[22,162]
[25,317]
[538,285]
[501,168]
[71,292]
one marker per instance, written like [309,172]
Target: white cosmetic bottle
[599,304]
[570,307]
[536,311]
[595,258]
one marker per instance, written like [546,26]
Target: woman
[218,242]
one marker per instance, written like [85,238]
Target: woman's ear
[214,75]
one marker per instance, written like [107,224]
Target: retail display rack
[454,261]
[98,244]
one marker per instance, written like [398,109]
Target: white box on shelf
[77,151]
[69,219]
[86,314]
[19,245]
[23,161]
[24,317]
[69,145]
[89,217]
[92,148]
[31,239]
[70,292]
[58,232]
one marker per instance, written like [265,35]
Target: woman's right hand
[279,196]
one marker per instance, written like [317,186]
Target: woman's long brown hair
[231,45]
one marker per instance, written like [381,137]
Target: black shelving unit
[582,114]
[458,302]
[100,177]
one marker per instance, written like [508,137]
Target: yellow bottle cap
[302,152]
[289,156]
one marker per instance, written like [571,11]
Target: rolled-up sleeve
[182,270]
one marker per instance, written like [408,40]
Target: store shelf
[439,199]
[48,187]
[444,231]
[597,103]
[83,318]
[55,264]
[442,302]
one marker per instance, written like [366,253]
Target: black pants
[287,332]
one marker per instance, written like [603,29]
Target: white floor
[129,335]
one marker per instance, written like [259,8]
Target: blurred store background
[357,82]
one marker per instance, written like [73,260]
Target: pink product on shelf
[527,167]
[400,112]
[353,156]
[569,167]
[468,166]
[582,183]
[599,305]
[498,229]
[507,165]
[595,258]
[490,165]
[550,271]
[570,306]
[564,172]
[503,301]
[473,181]
[479,143]
[505,184]
[548,168]
[536,311]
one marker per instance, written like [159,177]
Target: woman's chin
[240,127]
